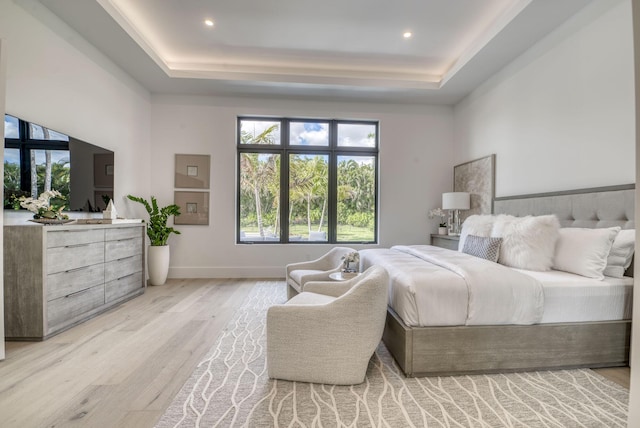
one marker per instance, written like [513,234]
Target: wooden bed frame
[436,351]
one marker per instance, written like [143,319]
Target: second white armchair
[298,274]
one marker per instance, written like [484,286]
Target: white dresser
[58,276]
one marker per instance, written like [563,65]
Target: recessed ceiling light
[407,34]
[208,22]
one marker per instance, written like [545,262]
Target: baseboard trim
[275,272]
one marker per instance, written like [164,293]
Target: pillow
[621,253]
[584,251]
[485,248]
[478,225]
[527,242]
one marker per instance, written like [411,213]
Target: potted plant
[442,226]
[158,233]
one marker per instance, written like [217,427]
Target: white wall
[561,116]
[56,79]
[415,168]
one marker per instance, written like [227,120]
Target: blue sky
[309,134]
[10,127]
[13,156]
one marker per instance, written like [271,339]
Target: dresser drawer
[62,259]
[63,238]
[114,250]
[68,282]
[122,286]
[122,233]
[69,307]
[122,267]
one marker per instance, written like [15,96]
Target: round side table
[339,276]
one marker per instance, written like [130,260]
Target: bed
[584,322]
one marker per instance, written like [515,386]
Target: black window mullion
[284,181]
[25,158]
[332,206]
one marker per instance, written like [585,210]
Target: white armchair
[328,333]
[298,274]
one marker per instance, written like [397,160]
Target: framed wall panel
[192,171]
[194,207]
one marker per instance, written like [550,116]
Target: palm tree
[320,184]
[258,170]
[308,183]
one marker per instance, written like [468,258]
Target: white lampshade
[456,201]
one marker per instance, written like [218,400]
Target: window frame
[24,143]
[285,149]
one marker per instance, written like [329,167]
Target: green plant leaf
[157,229]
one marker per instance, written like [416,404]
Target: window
[307,181]
[35,159]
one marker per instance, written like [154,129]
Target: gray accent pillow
[485,248]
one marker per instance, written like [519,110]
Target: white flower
[42,203]
[353,257]
[437,212]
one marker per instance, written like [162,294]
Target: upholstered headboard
[591,208]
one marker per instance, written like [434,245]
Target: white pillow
[478,225]
[621,253]
[527,242]
[584,251]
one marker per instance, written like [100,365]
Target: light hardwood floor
[123,368]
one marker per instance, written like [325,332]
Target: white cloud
[315,134]
[356,135]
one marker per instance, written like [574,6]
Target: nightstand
[445,241]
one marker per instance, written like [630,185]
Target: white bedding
[431,286]
[437,287]
[574,298]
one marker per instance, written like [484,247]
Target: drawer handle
[77,292]
[77,245]
[126,276]
[75,270]
[124,258]
[125,239]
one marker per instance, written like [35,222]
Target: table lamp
[454,202]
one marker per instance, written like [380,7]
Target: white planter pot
[442,231]
[158,264]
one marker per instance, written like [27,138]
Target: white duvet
[453,288]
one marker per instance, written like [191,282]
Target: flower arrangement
[347,259]
[44,206]
[439,212]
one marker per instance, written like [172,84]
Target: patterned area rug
[230,388]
